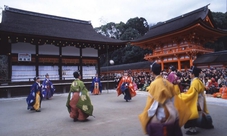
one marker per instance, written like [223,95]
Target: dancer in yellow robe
[193,98]
[159,116]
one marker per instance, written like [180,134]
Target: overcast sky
[100,12]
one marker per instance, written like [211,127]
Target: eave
[210,33]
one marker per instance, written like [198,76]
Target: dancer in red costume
[126,87]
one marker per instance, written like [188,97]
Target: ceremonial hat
[194,70]
[172,68]
[47,74]
[155,68]
[76,74]
[35,78]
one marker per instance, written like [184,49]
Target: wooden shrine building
[33,44]
[180,40]
[215,59]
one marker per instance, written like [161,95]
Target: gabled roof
[31,23]
[137,65]
[177,23]
[212,58]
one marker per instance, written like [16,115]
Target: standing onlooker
[159,116]
[172,77]
[78,102]
[34,99]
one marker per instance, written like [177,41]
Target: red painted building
[179,41]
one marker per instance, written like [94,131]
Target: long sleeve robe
[160,90]
[190,99]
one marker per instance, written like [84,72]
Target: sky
[101,12]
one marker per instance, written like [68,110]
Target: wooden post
[162,64]
[191,61]
[8,93]
[178,63]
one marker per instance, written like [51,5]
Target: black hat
[172,68]
[35,78]
[76,74]
[155,68]
[47,74]
[194,70]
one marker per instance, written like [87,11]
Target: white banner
[24,57]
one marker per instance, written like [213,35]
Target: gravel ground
[113,117]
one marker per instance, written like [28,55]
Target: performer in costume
[172,77]
[193,98]
[96,86]
[48,87]
[78,102]
[34,99]
[160,117]
[125,87]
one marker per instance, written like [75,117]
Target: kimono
[96,86]
[126,87]
[172,77]
[34,98]
[78,101]
[48,89]
[159,116]
[191,100]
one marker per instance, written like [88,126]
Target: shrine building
[33,44]
[179,41]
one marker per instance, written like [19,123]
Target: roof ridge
[126,64]
[204,8]
[217,53]
[45,15]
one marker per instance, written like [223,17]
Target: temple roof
[37,24]
[178,23]
[212,58]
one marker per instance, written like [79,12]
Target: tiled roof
[137,65]
[176,23]
[31,23]
[215,57]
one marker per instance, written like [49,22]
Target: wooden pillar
[9,52]
[37,59]
[162,64]
[191,64]
[98,63]
[81,64]
[178,63]
[60,63]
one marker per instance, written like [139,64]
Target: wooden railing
[9,89]
[178,51]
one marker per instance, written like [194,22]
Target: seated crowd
[213,78]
